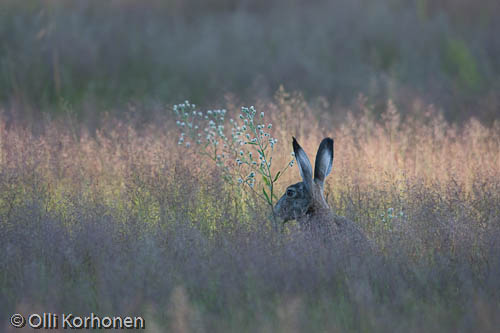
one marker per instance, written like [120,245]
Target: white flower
[262,114]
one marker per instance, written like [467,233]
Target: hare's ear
[324,160]
[305,167]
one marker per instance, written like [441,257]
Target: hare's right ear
[305,167]
[324,161]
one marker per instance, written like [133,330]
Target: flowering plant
[243,150]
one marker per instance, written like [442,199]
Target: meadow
[127,221]
[107,208]
[101,56]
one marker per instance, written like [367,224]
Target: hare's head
[306,198]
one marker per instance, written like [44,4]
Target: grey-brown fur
[305,201]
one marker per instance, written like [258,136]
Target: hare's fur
[305,201]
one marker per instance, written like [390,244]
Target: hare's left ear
[324,161]
[305,167]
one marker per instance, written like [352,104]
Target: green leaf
[264,178]
[267,197]
[262,170]
[277,176]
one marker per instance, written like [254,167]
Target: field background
[101,210]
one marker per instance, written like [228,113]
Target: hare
[305,202]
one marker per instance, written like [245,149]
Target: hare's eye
[290,193]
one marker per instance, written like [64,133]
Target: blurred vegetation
[129,222]
[99,55]
[118,218]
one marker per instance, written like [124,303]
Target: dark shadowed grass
[127,222]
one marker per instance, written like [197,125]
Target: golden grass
[385,153]
[127,203]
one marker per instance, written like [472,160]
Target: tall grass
[125,221]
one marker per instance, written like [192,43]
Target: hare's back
[347,230]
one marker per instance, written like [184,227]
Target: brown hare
[305,202]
